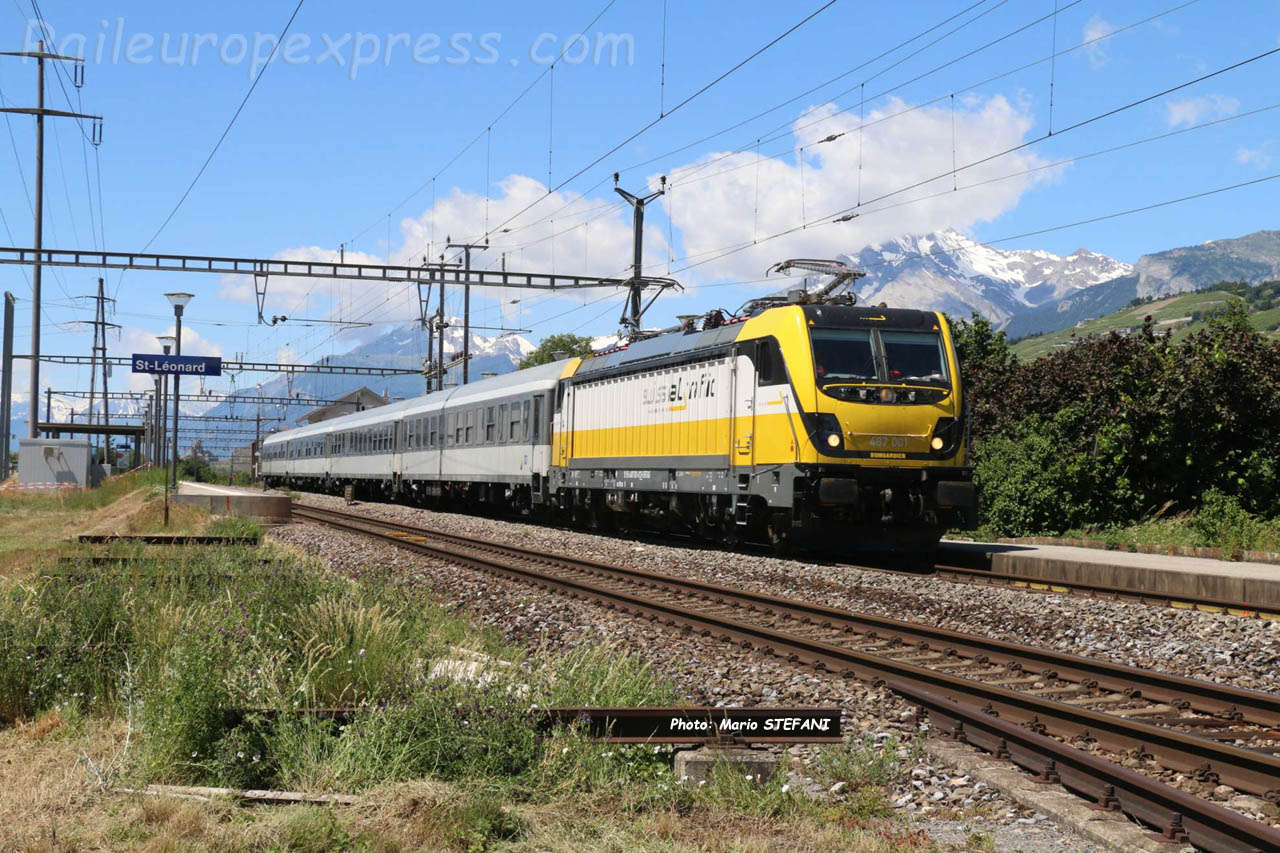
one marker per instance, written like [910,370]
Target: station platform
[1199,578]
[269,507]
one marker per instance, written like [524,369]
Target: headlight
[946,434]
[827,431]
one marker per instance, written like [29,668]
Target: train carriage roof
[530,380]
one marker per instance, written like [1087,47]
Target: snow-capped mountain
[945,271]
[72,410]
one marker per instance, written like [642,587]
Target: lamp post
[178,301]
[162,392]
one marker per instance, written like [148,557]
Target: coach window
[537,417]
[489,426]
[469,433]
[523,422]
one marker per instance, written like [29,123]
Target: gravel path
[707,671]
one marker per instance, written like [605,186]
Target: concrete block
[698,764]
[272,509]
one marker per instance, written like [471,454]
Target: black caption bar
[693,725]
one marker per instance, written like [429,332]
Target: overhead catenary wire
[800,96]
[689,176]
[467,147]
[1075,158]
[848,211]
[687,172]
[774,108]
[683,103]
[230,124]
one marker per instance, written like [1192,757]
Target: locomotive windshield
[914,357]
[843,355]
[855,356]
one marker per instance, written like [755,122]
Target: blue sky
[343,150]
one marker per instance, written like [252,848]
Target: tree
[551,344]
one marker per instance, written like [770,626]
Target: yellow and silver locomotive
[804,419]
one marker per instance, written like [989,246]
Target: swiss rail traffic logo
[679,391]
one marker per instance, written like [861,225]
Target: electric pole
[6,385]
[441,325]
[96,138]
[99,351]
[634,311]
[466,299]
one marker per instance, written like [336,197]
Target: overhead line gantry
[248,366]
[262,268]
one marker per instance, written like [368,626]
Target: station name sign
[180,365]
[691,725]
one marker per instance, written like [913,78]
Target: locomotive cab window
[914,357]
[843,355]
[770,369]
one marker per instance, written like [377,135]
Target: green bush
[1223,523]
[1111,431]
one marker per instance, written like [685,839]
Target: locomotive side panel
[676,417]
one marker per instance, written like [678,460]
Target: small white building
[55,463]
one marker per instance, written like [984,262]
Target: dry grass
[52,800]
[48,798]
[35,530]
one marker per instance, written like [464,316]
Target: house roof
[356,397]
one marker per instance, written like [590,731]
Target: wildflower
[239,755]
[193,755]
[701,782]
[360,653]
[786,787]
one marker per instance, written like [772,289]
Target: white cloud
[916,146]
[1191,111]
[1097,53]
[591,236]
[1259,158]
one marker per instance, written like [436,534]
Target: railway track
[1214,732]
